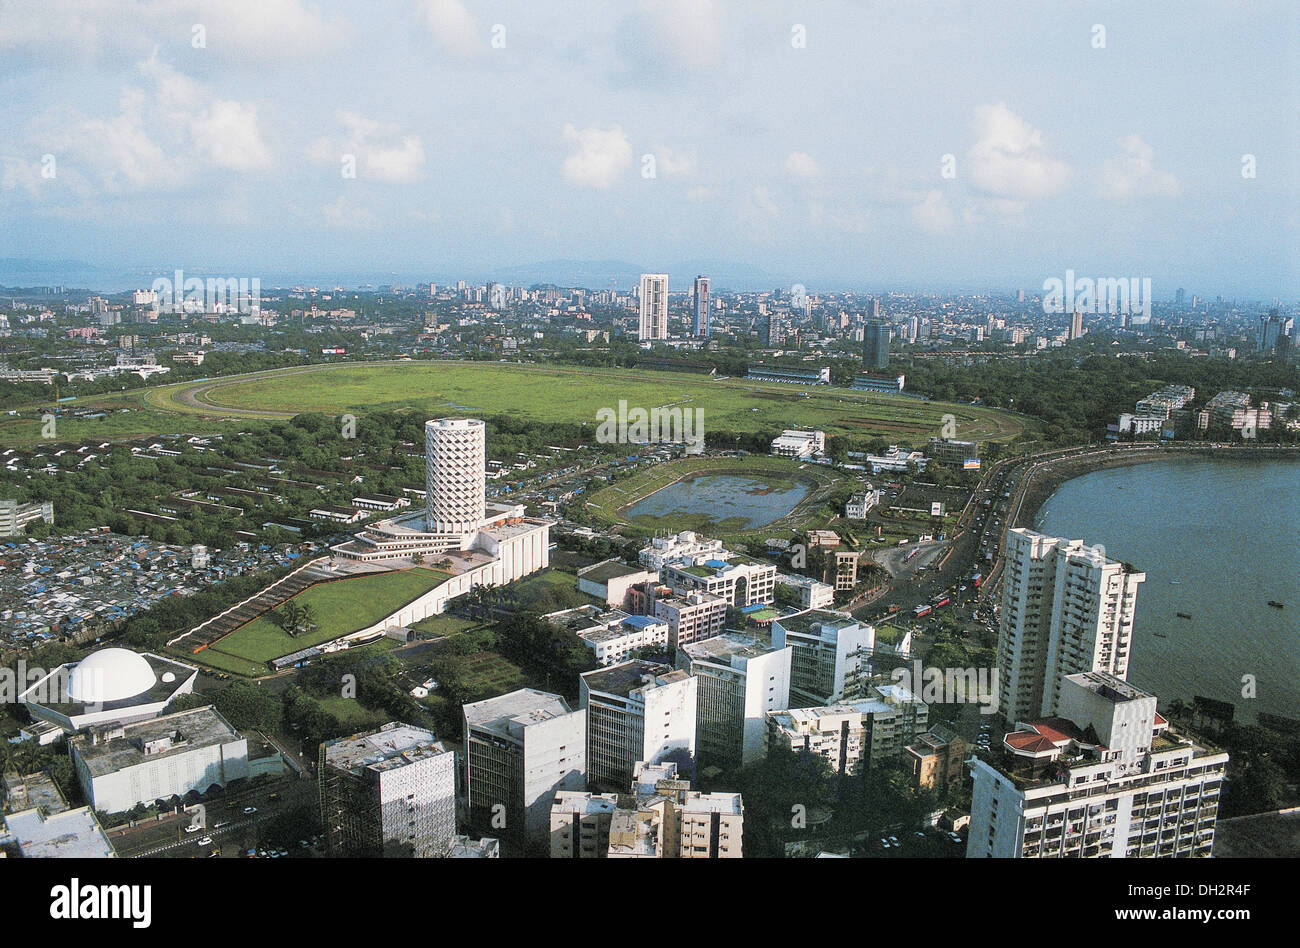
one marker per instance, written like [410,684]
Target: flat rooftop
[726,803]
[387,749]
[508,715]
[72,834]
[609,569]
[201,727]
[803,622]
[723,648]
[623,679]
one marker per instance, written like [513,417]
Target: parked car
[192,828]
[249,810]
[206,841]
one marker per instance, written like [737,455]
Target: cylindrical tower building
[455,459]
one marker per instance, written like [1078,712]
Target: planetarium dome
[111,674]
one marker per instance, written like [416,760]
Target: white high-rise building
[636,711]
[1105,779]
[740,679]
[455,474]
[654,307]
[520,749]
[1066,609]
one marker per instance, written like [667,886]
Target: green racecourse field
[571,394]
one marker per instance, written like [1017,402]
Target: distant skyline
[791,142]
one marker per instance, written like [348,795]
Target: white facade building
[455,466]
[637,711]
[661,550]
[828,649]
[654,307]
[740,679]
[1065,609]
[852,736]
[119,766]
[520,749]
[1106,779]
[793,443]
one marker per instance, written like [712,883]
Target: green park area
[337,608]
[574,395]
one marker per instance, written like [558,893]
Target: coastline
[1048,475]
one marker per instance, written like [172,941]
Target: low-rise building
[793,443]
[611,580]
[852,736]
[613,636]
[580,824]
[813,594]
[694,616]
[122,765]
[14,517]
[937,757]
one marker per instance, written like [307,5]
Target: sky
[981,145]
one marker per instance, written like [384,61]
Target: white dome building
[111,674]
[110,686]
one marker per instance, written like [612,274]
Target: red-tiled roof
[1160,720]
[1057,730]
[1028,742]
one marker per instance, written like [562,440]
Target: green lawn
[339,607]
[349,711]
[226,663]
[443,625]
[563,393]
[487,674]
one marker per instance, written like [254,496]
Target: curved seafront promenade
[1214,532]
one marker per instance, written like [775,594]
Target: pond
[732,502]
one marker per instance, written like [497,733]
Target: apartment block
[852,736]
[1066,608]
[1108,778]
[692,617]
[636,711]
[938,759]
[740,678]
[520,750]
[580,824]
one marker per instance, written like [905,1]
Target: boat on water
[1275,604]
[1175,582]
[1161,635]
[1183,615]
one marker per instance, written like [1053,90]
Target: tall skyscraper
[875,345]
[391,792]
[1275,332]
[1066,609]
[703,302]
[455,468]
[654,306]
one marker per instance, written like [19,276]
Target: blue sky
[492,134]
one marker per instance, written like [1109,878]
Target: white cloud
[227,134]
[383,151]
[345,213]
[1133,174]
[802,165]
[452,26]
[602,155]
[690,31]
[1009,158]
[758,212]
[933,213]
